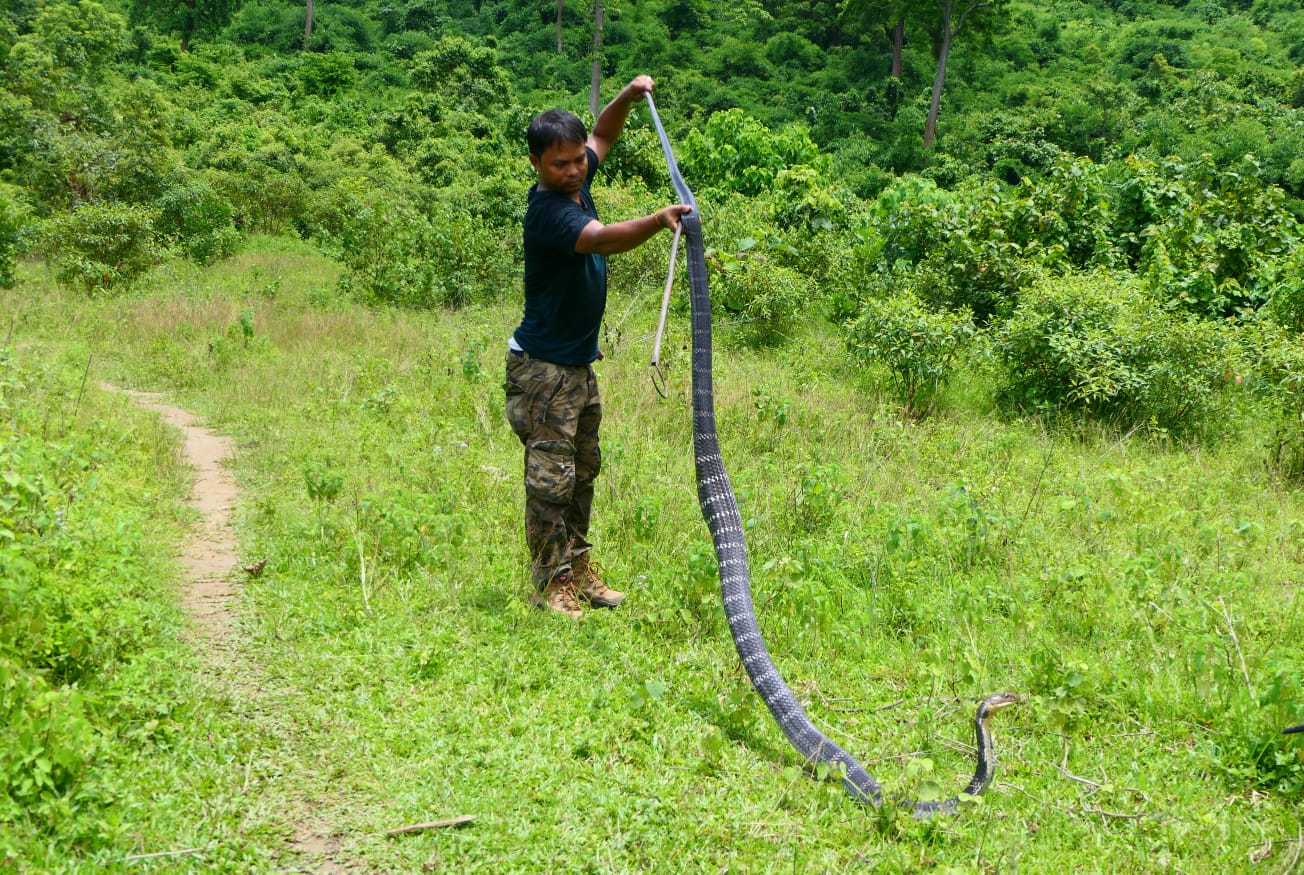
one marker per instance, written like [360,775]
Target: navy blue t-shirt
[565,291]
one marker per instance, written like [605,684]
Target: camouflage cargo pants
[555,410]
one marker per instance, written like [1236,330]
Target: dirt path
[210,558]
[212,574]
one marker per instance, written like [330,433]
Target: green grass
[1144,594]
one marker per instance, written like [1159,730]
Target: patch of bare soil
[212,574]
[210,556]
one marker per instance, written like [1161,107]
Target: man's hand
[668,217]
[638,88]
[609,123]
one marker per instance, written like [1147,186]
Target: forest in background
[187,124]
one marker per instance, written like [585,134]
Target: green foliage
[323,479]
[761,300]
[398,255]
[101,246]
[734,152]
[194,217]
[1097,344]
[1279,361]
[1202,236]
[49,744]
[965,248]
[918,346]
[15,218]
[326,74]
[80,606]
[465,76]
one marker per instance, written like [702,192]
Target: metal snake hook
[658,376]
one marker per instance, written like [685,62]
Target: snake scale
[720,508]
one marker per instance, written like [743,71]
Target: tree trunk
[189,27]
[595,82]
[898,47]
[307,26]
[944,50]
[561,4]
[930,126]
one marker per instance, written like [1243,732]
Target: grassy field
[1145,596]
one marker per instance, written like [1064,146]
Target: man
[552,392]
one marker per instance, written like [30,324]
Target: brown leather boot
[591,586]
[559,595]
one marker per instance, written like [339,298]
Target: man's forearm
[618,236]
[611,121]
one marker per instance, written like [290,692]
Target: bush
[198,220]
[397,254]
[1096,344]
[1279,364]
[44,758]
[101,246]
[917,345]
[736,153]
[763,300]
[14,219]
[1283,279]
[961,242]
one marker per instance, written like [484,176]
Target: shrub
[1283,280]
[198,220]
[917,345]
[100,246]
[1279,364]
[52,742]
[397,254]
[1096,344]
[14,219]
[737,153]
[762,299]
[961,243]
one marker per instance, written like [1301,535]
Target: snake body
[720,509]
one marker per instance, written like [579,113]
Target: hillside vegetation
[1017,408]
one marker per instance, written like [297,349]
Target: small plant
[472,368]
[769,406]
[324,481]
[919,346]
[817,498]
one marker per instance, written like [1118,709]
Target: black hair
[554,126]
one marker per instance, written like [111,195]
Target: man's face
[562,167]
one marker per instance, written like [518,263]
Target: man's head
[554,126]
[557,150]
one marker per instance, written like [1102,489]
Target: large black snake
[720,509]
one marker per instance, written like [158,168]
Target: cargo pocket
[550,471]
[517,407]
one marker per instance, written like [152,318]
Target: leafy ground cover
[1144,593]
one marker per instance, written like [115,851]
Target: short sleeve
[555,221]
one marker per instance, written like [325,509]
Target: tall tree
[954,14]
[561,5]
[307,25]
[595,81]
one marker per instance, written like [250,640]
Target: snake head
[994,703]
